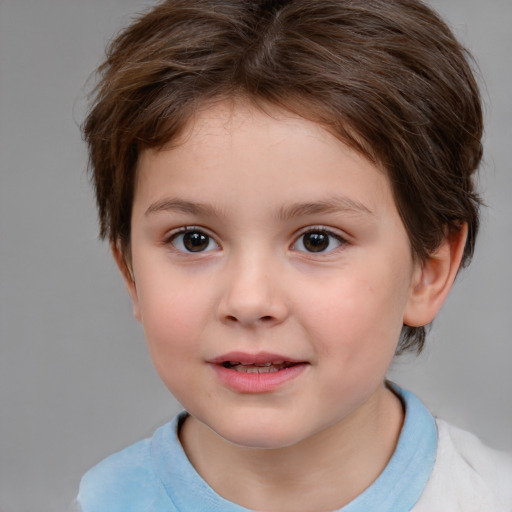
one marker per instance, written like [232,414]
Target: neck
[330,468]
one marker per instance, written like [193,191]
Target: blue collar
[397,489]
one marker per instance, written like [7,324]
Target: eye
[318,241]
[193,240]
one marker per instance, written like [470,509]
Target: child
[287,187]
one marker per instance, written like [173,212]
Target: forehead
[236,145]
[220,125]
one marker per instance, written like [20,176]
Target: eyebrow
[181,206]
[338,204]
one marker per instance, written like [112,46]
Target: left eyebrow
[338,204]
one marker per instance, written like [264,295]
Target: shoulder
[123,482]
[468,476]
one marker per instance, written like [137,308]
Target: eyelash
[208,239]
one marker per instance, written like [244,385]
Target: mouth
[267,367]
[257,373]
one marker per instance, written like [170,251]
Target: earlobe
[128,278]
[434,278]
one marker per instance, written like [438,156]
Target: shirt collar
[397,488]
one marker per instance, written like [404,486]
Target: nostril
[263,319]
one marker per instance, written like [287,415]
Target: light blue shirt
[155,475]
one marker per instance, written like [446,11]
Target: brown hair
[385,76]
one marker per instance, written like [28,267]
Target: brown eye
[193,241]
[317,241]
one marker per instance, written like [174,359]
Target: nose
[253,294]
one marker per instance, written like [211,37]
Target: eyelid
[183,229]
[336,233]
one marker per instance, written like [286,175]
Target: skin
[253,184]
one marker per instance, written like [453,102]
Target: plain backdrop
[76,382]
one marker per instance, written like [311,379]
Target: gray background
[75,381]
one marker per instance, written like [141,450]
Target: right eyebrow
[182,206]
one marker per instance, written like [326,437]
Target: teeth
[257,367]
[254,369]
[269,363]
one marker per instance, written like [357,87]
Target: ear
[433,279]
[129,280]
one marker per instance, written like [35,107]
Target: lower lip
[244,382]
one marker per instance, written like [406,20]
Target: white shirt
[467,476]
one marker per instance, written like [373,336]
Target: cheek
[357,317]
[173,317]
[172,333]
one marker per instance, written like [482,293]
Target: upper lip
[256,358]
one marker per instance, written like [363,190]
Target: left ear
[433,279]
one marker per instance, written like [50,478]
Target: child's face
[266,240]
